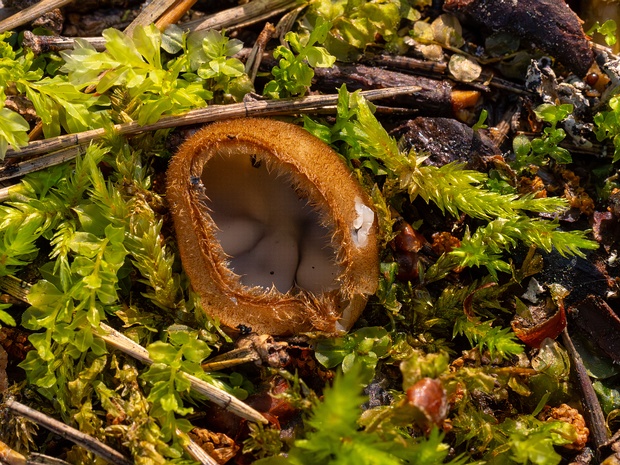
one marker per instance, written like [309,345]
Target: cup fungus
[273,231]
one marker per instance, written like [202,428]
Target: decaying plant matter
[550,24]
[448,289]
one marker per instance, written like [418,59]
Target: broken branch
[203,115]
[84,440]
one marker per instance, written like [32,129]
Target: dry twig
[10,456]
[149,14]
[84,440]
[592,411]
[35,164]
[254,59]
[174,13]
[214,394]
[244,15]
[204,115]
[30,14]
[43,44]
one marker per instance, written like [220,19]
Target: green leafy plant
[129,407]
[58,103]
[607,29]
[293,74]
[210,55]
[357,25]
[5,317]
[480,124]
[498,341]
[534,152]
[364,348]
[485,246]
[13,130]
[136,65]
[134,77]
[520,440]
[607,125]
[14,67]
[528,440]
[181,354]
[333,435]
[97,228]
[76,293]
[451,187]
[609,398]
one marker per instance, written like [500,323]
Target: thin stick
[409,64]
[204,115]
[84,440]
[10,456]
[249,13]
[595,419]
[15,287]
[42,44]
[253,62]
[41,459]
[124,344]
[35,164]
[5,193]
[231,358]
[31,13]
[214,394]
[174,13]
[149,14]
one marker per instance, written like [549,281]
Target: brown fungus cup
[273,230]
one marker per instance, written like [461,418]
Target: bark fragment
[550,24]
[434,98]
[447,140]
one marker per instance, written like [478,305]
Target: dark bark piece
[53,21]
[550,24]
[605,228]
[83,6]
[434,98]
[448,140]
[580,275]
[594,317]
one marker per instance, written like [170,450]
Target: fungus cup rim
[322,176]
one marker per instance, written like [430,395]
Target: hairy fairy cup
[273,231]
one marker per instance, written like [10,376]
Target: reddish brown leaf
[549,328]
